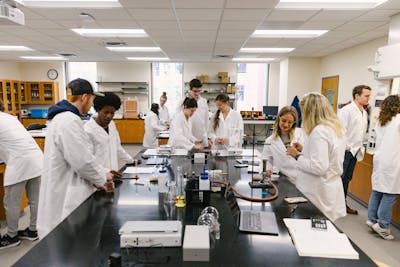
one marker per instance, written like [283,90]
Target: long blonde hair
[285,110]
[317,110]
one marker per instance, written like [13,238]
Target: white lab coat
[199,119]
[70,173]
[275,153]
[19,151]
[319,171]
[163,114]
[355,123]
[107,147]
[386,170]
[231,127]
[180,132]
[152,127]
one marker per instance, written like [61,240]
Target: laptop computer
[261,222]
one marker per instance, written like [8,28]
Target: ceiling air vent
[67,55]
[223,56]
[115,43]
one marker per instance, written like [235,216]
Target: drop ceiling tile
[251,3]
[337,15]
[198,14]
[321,25]
[152,14]
[239,25]
[160,25]
[245,14]
[391,4]
[279,25]
[199,25]
[290,15]
[199,34]
[199,4]
[360,25]
[145,3]
[42,23]
[233,33]
[378,15]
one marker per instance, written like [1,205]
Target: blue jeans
[380,208]
[349,163]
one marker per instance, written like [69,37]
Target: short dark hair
[154,108]
[358,90]
[109,99]
[195,83]
[189,103]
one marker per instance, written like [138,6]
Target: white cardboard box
[196,243]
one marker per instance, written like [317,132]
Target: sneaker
[28,234]
[369,223]
[9,242]
[383,232]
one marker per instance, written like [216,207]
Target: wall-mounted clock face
[52,74]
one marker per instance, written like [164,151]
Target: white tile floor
[354,226]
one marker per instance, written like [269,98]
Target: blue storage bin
[39,113]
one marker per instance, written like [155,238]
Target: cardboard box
[229,89]
[222,74]
[203,78]
[224,80]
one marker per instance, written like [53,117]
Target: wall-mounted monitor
[270,112]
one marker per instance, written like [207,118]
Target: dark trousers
[349,163]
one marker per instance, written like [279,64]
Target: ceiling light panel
[288,33]
[328,4]
[133,49]
[114,33]
[44,58]
[70,3]
[14,48]
[266,49]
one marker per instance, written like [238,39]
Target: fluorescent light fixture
[43,58]
[110,32]
[248,59]
[70,3]
[147,58]
[133,49]
[266,50]
[288,33]
[328,4]
[14,48]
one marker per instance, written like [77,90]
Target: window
[251,86]
[167,77]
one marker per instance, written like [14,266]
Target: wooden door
[35,96]
[329,88]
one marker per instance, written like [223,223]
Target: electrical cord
[252,199]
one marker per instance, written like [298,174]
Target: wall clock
[52,74]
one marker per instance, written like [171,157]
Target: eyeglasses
[286,121]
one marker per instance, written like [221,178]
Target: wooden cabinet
[27,121]
[8,96]
[40,141]
[361,186]
[23,93]
[45,93]
[130,131]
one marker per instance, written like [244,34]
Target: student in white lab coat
[163,112]
[103,134]
[180,132]
[152,127]
[226,125]
[386,169]
[355,120]
[200,118]
[321,162]
[285,133]
[24,161]
[70,173]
